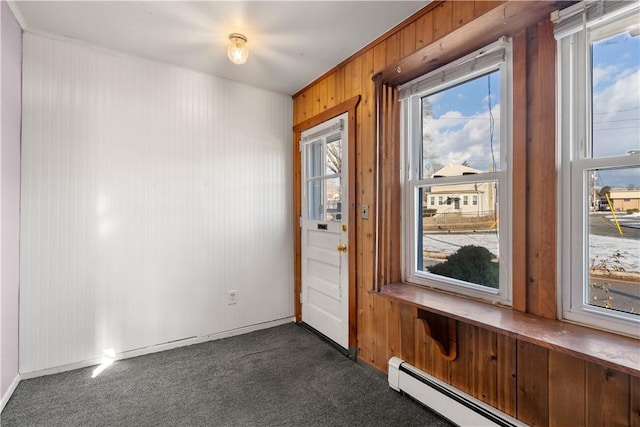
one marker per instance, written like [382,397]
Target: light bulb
[237,52]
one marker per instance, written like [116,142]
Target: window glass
[613,246]
[461,241]
[461,127]
[314,159]
[599,143]
[314,200]
[334,200]
[334,155]
[457,235]
[324,168]
[615,77]
[613,279]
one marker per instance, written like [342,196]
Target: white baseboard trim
[159,347]
[10,390]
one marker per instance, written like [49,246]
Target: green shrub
[472,264]
[634,210]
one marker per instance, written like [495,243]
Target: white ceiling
[291,43]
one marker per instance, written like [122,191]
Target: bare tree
[334,157]
[430,160]
[430,163]
[604,191]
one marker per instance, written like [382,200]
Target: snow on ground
[603,246]
[598,245]
[449,243]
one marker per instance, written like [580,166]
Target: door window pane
[315,207]
[324,167]
[334,155]
[324,199]
[314,159]
[334,200]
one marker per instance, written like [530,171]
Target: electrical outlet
[232,297]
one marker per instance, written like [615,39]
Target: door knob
[342,247]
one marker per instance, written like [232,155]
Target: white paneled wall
[148,192]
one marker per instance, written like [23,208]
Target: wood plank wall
[539,386]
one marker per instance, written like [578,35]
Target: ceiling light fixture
[237,52]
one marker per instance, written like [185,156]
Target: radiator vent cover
[440,397]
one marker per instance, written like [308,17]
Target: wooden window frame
[534,156]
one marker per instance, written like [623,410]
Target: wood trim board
[603,348]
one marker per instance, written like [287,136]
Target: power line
[619,120]
[618,111]
[621,127]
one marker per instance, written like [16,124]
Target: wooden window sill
[614,351]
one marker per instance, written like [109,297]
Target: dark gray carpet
[283,376]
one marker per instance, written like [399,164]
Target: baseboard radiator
[440,397]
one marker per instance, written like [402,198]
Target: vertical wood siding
[148,192]
[540,386]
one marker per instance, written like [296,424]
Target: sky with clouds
[616,95]
[459,128]
[616,104]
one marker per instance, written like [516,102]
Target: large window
[599,151]
[456,127]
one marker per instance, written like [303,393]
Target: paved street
[604,241]
[602,224]
[622,295]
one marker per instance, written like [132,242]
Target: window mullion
[607,162]
[462,179]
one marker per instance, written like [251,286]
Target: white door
[325,285]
